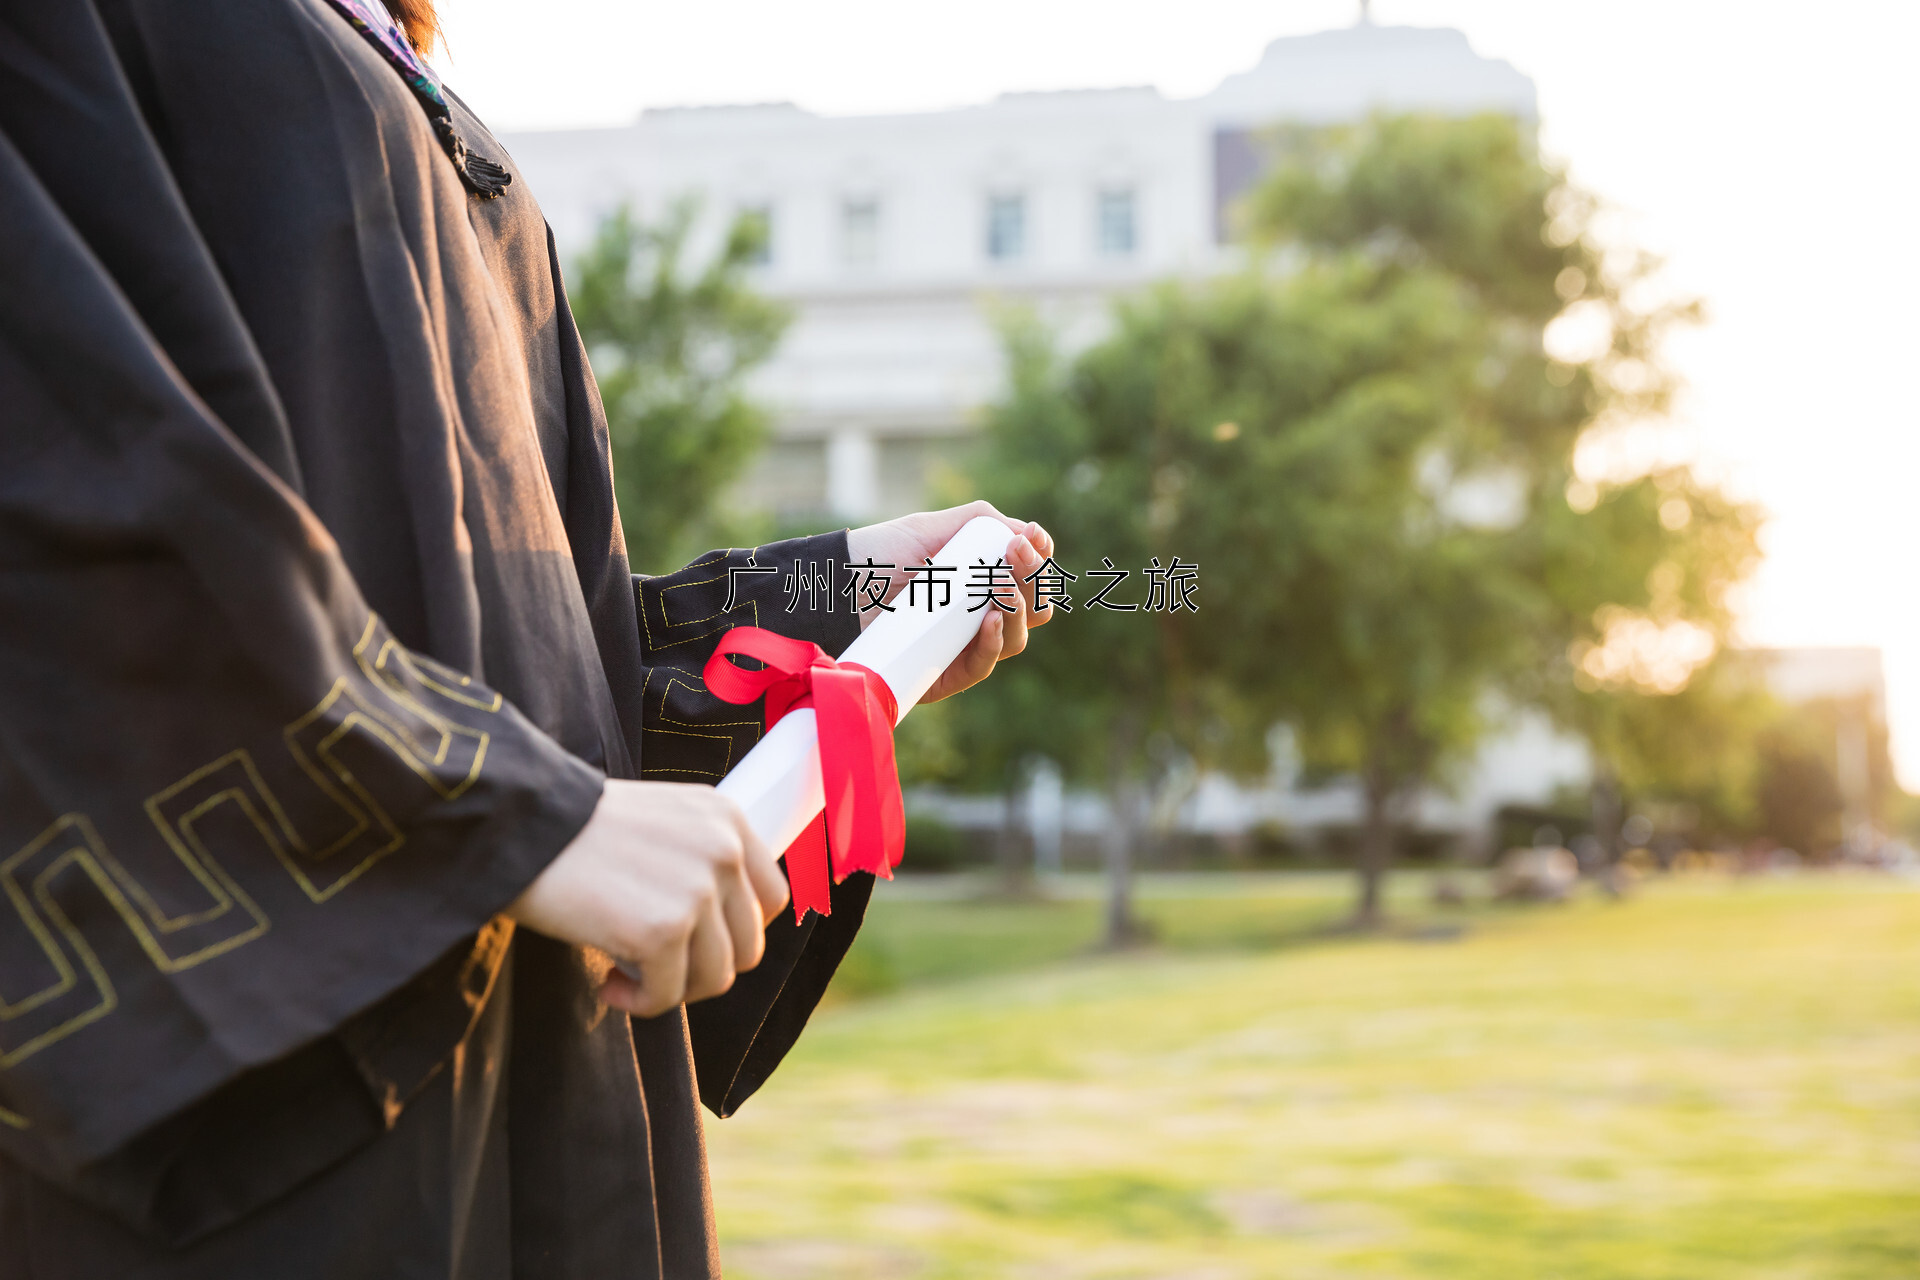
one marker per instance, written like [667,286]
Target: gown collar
[482,176]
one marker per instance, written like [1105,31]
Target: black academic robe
[317,641]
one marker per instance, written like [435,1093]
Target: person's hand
[666,875]
[911,540]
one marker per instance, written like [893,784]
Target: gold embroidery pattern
[67,1003]
[177,813]
[424,740]
[668,625]
[230,797]
[14,1120]
[692,729]
[690,682]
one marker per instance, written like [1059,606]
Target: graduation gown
[317,642]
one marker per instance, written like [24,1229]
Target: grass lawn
[1717,1079]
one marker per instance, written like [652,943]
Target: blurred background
[1508,869]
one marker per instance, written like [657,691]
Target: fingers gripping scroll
[668,877]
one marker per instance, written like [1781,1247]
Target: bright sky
[1767,150]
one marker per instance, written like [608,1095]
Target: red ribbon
[863,824]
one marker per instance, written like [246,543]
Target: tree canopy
[672,344]
[1366,439]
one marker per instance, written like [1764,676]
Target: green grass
[1717,1079]
[938,930]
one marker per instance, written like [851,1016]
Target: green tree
[1366,441]
[1803,797]
[1699,746]
[1627,580]
[672,345]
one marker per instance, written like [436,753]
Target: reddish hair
[418,20]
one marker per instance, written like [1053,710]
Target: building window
[758,218]
[1006,227]
[860,231]
[1116,229]
[914,470]
[787,479]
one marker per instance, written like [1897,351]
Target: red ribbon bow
[854,712]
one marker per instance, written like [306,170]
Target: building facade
[899,240]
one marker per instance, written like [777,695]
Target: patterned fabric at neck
[370,18]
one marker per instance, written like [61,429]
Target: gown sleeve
[234,811]
[689,735]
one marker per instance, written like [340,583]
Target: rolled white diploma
[778,783]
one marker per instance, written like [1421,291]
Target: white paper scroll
[778,783]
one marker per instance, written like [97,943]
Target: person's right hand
[666,875]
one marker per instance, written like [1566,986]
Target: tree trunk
[1123,929]
[1607,819]
[1123,821]
[1376,848]
[1016,877]
[1606,815]
[1046,804]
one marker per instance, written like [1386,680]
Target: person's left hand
[911,540]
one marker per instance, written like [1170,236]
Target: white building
[895,237]
[1854,679]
